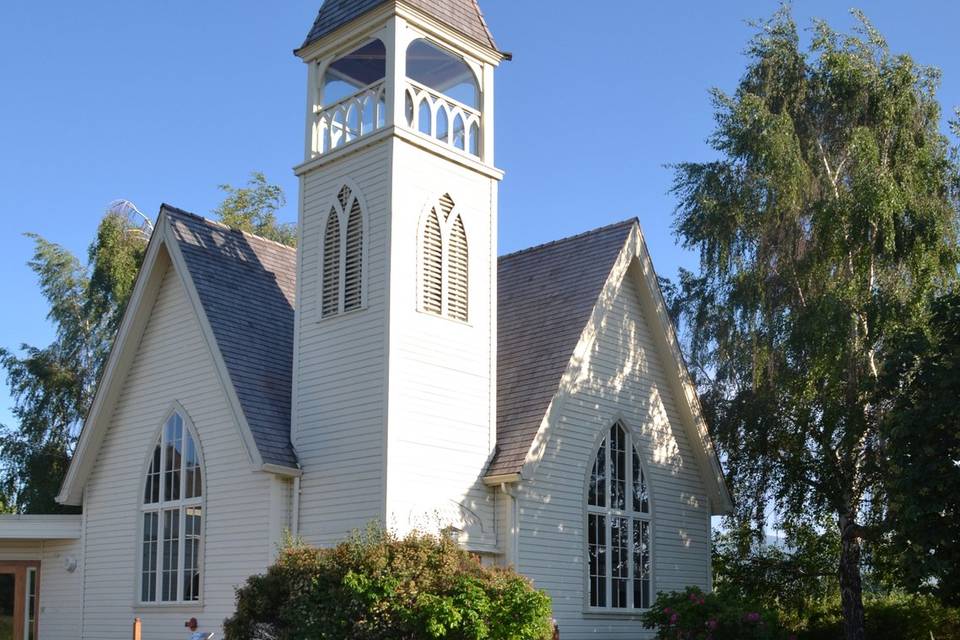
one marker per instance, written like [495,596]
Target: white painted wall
[173,363]
[340,366]
[442,371]
[619,375]
[60,590]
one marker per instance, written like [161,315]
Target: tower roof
[463,15]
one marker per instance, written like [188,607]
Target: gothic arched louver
[444,263]
[172,514]
[342,277]
[618,525]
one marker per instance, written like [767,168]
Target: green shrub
[695,615]
[895,616]
[378,587]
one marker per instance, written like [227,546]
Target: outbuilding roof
[463,15]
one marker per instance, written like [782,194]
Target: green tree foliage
[254,209]
[921,456]
[52,387]
[823,227]
[376,587]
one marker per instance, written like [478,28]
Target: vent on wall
[342,277]
[444,262]
[331,265]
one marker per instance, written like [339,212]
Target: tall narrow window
[457,280]
[353,282]
[618,526]
[432,268]
[331,265]
[343,255]
[171,518]
[444,262]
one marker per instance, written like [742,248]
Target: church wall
[442,391]
[60,590]
[621,376]
[173,363]
[340,365]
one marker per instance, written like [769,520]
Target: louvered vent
[432,275]
[331,265]
[457,280]
[353,269]
[447,205]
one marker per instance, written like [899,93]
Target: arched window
[442,71]
[444,263]
[618,526]
[342,264]
[172,516]
[354,71]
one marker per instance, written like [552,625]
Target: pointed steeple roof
[463,15]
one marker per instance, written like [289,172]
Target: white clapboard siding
[441,391]
[173,363]
[340,364]
[60,590]
[622,377]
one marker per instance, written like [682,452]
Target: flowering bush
[695,615]
[377,587]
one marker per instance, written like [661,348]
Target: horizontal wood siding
[60,590]
[441,399]
[340,374]
[621,376]
[173,363]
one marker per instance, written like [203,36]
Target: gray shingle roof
[545,297]
[463,15]
[246,285]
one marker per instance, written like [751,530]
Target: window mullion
[181,543]
[342,284]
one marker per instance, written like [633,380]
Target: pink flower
[667,610]
[753,616]
[712,624]
[674,618]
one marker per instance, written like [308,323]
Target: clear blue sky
[162,101]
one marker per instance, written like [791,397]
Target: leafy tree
[921,456]
[254,209]
[53,386]
[823,227]
[377,586]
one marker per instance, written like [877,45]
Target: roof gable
[546,295]
[463,15]
[247,285]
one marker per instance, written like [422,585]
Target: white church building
[393,369]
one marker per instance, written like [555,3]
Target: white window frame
[180,505]
[343,217]
[608,512]
[31,596]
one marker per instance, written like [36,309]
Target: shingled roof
[463,15]
[246,285]
[545,297]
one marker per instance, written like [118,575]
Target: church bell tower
[394,402]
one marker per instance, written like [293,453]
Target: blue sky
[162,101]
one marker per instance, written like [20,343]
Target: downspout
[295,516]
[511,544]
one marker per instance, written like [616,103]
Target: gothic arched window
[444,262]
[618,525]
[342,263]
[172,517]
